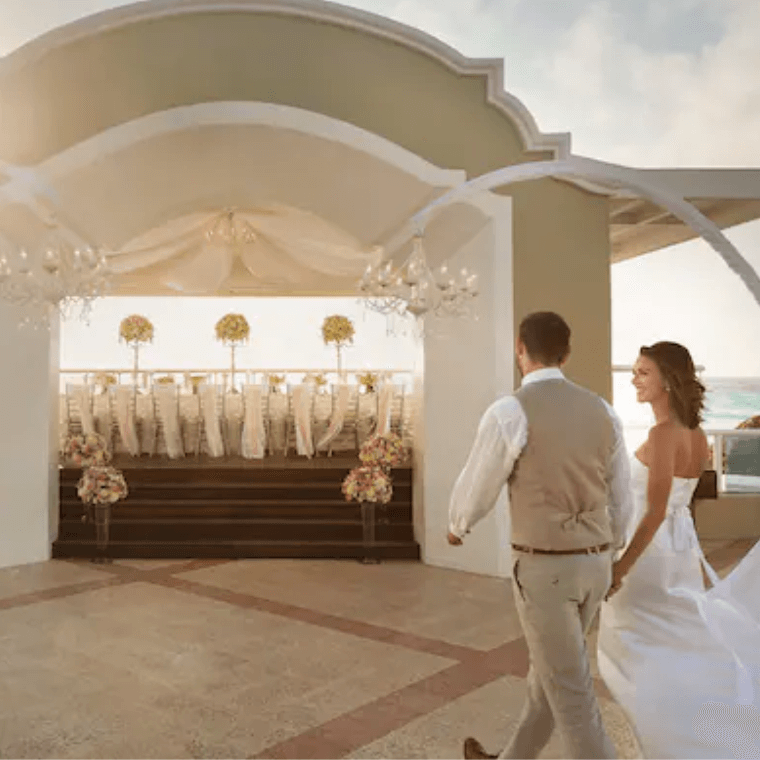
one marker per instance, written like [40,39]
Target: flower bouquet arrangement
[102,485]
[339,331]
[87,450]
[368,381]
[100,488]
[368,483]
[233,330]
[385,451]
[134,330]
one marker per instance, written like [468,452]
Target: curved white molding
[558,144]
[226,113]
[613,176]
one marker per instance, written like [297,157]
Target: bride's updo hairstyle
[687,394]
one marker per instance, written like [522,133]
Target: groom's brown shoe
[473,750]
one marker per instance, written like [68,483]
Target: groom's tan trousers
[557,598]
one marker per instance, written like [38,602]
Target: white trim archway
[492,69]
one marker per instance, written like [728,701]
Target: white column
[464,373]
[28,440]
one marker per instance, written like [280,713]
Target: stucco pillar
[464,372]
[28,440]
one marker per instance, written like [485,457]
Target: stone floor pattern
[264,658]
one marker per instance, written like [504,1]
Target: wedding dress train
[683,661]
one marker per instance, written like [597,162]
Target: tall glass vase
[102,515]
[368,533]
[233,346]
[136,365]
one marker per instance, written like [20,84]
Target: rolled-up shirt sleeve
[500,438]
[620,504]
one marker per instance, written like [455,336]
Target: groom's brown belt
[587,550]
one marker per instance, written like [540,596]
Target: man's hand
[454,540]
[618,573]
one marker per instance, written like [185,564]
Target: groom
[561,450]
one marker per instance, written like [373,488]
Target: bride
[679,650]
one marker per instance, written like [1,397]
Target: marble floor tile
[85,673]
[459,608]
[41,576]
[490,714]
[149,564]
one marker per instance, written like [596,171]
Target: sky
[645,83]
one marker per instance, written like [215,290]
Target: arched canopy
[389,79]
[146,115]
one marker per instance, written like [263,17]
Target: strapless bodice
[680,493]
[678,520]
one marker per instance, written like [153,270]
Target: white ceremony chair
[278,406]
[341,432]
[79,408]
[212,403]
[233,412]
[254,437]
[300,419]
[166,412]
[124,406]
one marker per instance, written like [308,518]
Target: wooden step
[307,492]
[235,475]
[240,549]
[234,530]
[185,510]
[284,511]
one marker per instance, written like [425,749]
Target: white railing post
[718,461]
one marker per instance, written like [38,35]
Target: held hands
[618,573]
[454,540]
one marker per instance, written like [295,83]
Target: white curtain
[254,441]
[290,247]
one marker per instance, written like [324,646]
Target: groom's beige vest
[558,488]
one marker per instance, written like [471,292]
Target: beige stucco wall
[561,263]
[76,90]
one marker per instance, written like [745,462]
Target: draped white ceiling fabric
[289,248]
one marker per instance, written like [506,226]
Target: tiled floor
[268,658]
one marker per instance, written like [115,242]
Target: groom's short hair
[546,337]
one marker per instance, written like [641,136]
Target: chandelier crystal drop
[230,230]
[64,278]
[414,290]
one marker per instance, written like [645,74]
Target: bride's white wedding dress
[682,661]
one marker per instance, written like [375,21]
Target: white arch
[246,113]
[611,175]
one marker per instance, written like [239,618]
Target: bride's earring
[667,388]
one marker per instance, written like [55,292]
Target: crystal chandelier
[413,289]
[65,278]
[230,230]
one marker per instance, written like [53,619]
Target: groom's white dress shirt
[501,437]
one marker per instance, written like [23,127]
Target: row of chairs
[253,423]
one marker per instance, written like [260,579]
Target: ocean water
[728,402]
